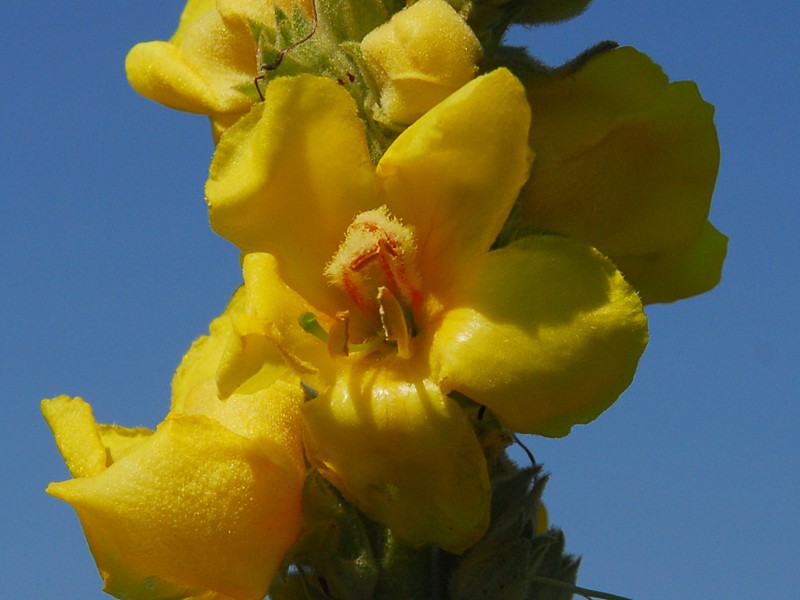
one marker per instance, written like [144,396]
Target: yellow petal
[202,361]
[76,434]
[422,55]
[674,274]
[625,160]
[289,177]
[195,508]
[269,416]
[272,309]
[455,173]
[121,441]
[192,12]
[263,406]
[403,453]
[548,336]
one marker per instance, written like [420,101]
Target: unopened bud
[421,56]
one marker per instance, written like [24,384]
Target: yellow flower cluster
[473,256]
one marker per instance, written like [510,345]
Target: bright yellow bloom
[626,161]
[206,506]
[422,55]
[208,65]
[403,300]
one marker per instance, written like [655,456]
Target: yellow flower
[626,161]
[204,507]
[402,299]
[423,54]
[208,65]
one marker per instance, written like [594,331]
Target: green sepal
[298,586]
[351,20]
[405,571]
[318,54]
[539,12]
[334,554]
[531,70]
[513,561]
[332,51]
[490,19]
[366,91]
[554,564]
[502,563]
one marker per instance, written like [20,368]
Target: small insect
[308,392]
[279,59]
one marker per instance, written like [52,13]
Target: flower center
[375,266]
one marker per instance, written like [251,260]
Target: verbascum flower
[423,54]
[209,64]
[206,506]
[626,161]
[390,269]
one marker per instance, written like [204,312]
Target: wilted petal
[547,336]
[403,453]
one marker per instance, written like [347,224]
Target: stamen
[339,334]
[308,322]
[393,318]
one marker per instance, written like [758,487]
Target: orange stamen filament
[338,335]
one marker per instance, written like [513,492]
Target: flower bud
[208,65]
[421,56]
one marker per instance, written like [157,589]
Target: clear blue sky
[687,488]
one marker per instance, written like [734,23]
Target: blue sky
[686,488]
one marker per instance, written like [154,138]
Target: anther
[337,338]
[339,334]
[393,319]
